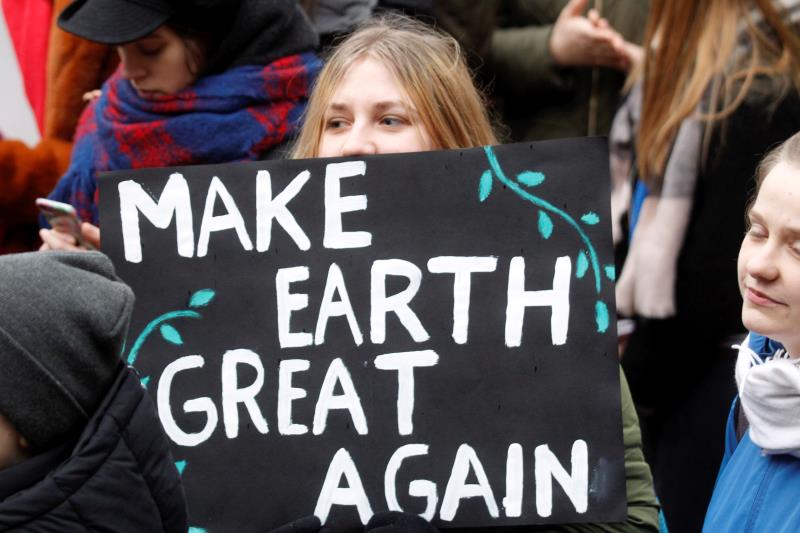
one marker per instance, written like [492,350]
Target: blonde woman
[433,87]
[761,468]
[398,86]
[717,88]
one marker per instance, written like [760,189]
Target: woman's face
[12,447]
[769,260]
[158,64]
[370,113]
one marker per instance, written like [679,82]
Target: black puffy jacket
[117,475]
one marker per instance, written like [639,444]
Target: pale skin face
[769,260]
[371,114]
[13,447]
[159,63]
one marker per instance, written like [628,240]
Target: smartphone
[62,217]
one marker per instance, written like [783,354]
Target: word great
[404,363]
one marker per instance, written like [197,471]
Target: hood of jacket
[120,474]
[260,32]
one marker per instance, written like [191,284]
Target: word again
[234,395]
[547,467]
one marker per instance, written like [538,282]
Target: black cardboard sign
[427,332]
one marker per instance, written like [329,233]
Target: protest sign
[429,332]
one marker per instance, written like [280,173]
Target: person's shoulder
[758,489]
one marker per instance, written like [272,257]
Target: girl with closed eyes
[758,480]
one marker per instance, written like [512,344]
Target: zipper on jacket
[760,494]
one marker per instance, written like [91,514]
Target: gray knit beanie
[63,320]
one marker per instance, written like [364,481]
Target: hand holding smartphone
[63,218]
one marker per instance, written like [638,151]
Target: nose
[360,141]
[131,68]
[762,263]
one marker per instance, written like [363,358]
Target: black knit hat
[63,320]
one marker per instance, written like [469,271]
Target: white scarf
[646,285]
[769,392]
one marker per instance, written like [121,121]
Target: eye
[335,123]
[393,121]
[756,231]
[794,247]
[150,49]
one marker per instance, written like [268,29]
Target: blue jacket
[754,492]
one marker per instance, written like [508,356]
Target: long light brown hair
[427,64]
[696,49]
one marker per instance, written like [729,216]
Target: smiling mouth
[760,299]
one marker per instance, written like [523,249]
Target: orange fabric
[74,67]
[27,173]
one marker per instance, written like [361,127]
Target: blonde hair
[429,67]
[786,152]
[693,48]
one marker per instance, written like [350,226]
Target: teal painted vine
[170,333]
[587,255]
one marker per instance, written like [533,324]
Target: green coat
[642,505]
[532,96]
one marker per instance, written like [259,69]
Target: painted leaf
[530,179]
[590,218]
[582,265]
[545,225]
[601,316]
[171,334]
[201,298]
[611,272]
[485,186]
[181,466]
